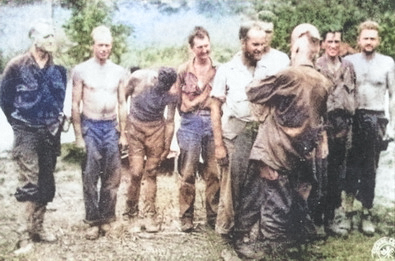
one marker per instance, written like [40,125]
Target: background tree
[329,15]
[85,16]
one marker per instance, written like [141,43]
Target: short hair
[246,27]
[101,30]
[197,32]
[303,29]
[38,26]
[368,25]
[298,44]
[332,31]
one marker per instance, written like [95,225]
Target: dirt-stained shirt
[294,108]
[342,94]
[31,94]
[149,100]
[230,87]
[189,84]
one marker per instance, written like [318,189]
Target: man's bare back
[139,81]
[142,79]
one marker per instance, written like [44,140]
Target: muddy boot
[367,226]
[349,203]
[341,223]
[30,207]
[320,232]
[186,225]
[36,229]
[150,224]
[245,248]
[106,229]
[131,210]
[25,244]
[93,232]
[349,209]
[135,225]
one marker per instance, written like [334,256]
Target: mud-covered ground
[65,214]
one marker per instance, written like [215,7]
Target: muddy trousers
[146,145]
[143,174]
[232,178]
[35,152]
[195,138]
[330,173]
[102,163]
[279,207]
[367,143]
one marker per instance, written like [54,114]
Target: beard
[369,51]
[252,58]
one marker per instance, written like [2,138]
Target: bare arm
[129,86]
[122,114]
[169,129]
[77,92]
[216,114]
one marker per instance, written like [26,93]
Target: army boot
[131,210]
[367,226]
[349,211]
[151,225]
[37,233]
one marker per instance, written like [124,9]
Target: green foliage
[153,57]
[86,15]
[387,33]
[72,154]
[331,14]
[223,54]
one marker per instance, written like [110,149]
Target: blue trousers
[195,139]
[102,162]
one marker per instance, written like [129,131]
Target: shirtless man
[375,74]
[96,98]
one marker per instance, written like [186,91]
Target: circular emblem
[384,249]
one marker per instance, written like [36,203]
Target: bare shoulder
[85,65]
[142,79]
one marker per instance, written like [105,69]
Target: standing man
[327,211]
[97,89]
[195,135]
[149,134]
[32,95]
[293,108]
[233,123]
[375,75]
